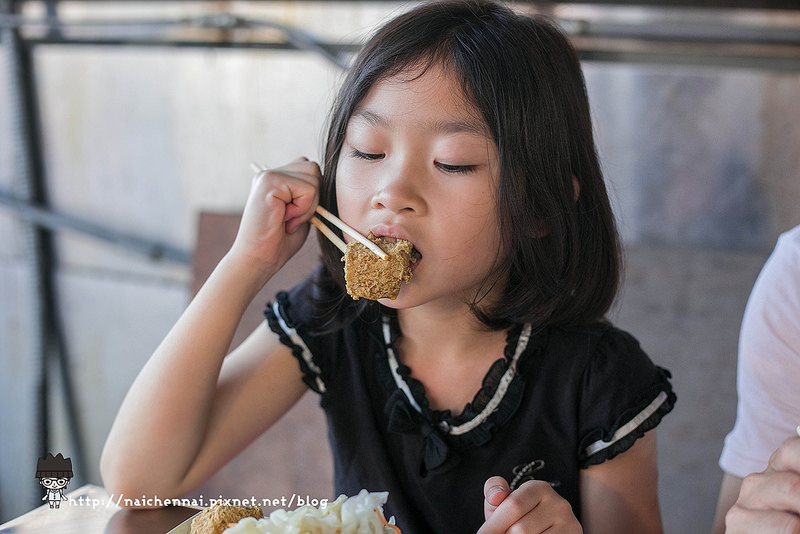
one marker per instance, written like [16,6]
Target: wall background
[703,164]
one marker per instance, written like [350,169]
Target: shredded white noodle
[354,515]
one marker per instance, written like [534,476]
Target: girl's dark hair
[560,258]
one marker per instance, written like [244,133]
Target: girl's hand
[280,203]
[532,508]
[769,502]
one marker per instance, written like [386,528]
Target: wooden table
[91,510]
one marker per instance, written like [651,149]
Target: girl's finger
[302,168]
[495,491]
[530,504]
[294,185]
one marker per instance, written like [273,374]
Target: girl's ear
[541,228]
[576,187]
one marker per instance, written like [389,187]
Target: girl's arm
[191,409]
[621,495]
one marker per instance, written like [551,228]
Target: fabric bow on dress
[404,419]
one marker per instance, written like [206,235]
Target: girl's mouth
[416,255]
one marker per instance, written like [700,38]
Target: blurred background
[126,133]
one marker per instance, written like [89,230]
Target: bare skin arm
[621,495]
[191,409]
[728,493]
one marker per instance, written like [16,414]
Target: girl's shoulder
[596,340]
[321,326]
[317,305]
[601,373]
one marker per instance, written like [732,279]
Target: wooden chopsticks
[341,225]
[333,238]
[337,222]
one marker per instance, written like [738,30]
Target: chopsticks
[337,222]
[333,238]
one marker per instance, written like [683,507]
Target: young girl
[490,395]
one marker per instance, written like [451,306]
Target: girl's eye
[366,155]
[456,169]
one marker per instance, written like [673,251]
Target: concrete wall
[702,163]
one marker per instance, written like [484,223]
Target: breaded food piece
[371,277]
[215,519]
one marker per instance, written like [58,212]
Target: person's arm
[728,493]
[769,502]
[191,409]
[621,494]
[768,363]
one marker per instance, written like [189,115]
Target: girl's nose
[400,192]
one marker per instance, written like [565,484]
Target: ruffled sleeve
[295,317]
[624,394]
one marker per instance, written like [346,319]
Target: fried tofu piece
[371,277]
[215,519]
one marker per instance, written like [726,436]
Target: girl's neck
[449,354]
[455,333]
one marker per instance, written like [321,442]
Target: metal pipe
[31,239]
[47,218]
[654,36]
[28,184]
[150,30]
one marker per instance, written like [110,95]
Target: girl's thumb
[495,491]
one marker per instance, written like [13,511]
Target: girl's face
[418,164]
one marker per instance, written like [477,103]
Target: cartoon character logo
[54,473]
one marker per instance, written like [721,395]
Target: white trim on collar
[493,403]
[393,365]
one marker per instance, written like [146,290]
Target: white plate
[183,528]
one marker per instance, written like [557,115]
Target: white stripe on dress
[297,340]
[628,427]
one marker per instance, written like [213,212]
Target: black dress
[560,400]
